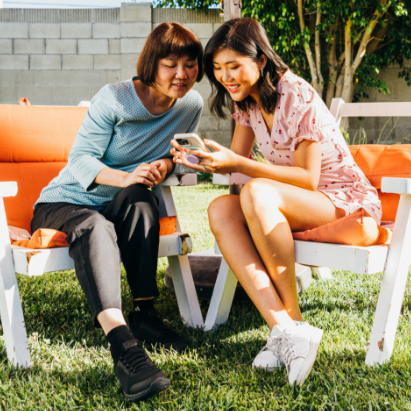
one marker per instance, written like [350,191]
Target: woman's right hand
[146,174]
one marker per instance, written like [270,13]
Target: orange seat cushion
[357,229]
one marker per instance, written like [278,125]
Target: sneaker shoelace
[286,347]
[135,358]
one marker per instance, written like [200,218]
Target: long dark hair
[247,37]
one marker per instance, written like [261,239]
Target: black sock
[116,338]
[143,305]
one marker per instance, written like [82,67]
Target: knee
[257,195]
[220,210]
[139,197]
[96,225]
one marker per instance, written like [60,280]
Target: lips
[233,88]
[180,85]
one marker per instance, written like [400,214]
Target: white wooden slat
[396,185]
[230,179]
[375,110]
[180,180]
[222,298]
[360,260]
[12,319]
[323,273]
[336,104]
[167,207]
[392,287]
[37,262]
[8,189]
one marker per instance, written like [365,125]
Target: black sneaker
[148,329]
[138,376]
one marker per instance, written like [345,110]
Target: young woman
[311,180]
[102,201]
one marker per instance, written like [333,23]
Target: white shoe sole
[309,362]
[269,369]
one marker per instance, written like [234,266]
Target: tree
[339,46]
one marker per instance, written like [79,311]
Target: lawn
[73,370]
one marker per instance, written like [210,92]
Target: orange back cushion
[377,161]
[35,143]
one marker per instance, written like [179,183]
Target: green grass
[73,371]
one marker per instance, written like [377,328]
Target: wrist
[240,164]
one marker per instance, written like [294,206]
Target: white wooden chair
[30,262]
[394,260]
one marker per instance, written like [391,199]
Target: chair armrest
[396,185]
[230,179]
[8,189]
[180,180]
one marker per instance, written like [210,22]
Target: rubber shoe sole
[155,387]
[308,364]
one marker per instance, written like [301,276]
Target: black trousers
[128,229]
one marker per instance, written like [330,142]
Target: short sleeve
[241,117]
[302,114]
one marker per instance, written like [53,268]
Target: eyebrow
[175,59]
[227,62]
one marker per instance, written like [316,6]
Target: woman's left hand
[221,161]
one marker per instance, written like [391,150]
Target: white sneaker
[298,350]
[269,357]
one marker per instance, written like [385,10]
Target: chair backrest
[34,146]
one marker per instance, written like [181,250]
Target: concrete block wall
[61,57]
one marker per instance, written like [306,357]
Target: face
[237,73]
[176,75]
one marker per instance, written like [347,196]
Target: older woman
[102,201]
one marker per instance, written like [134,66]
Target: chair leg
[185,291]
[392,288]
[12,319]
[323,273]
[222,298]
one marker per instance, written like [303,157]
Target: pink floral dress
[302,115]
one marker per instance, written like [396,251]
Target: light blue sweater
[118,132]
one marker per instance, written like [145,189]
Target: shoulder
[293,87]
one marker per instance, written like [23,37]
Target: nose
[226,76]
[181,72]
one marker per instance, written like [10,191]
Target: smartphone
[191,141]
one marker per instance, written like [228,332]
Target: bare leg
[110,318]
[263,258]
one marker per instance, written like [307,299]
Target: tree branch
[318,52]
[375,41]
[332,65]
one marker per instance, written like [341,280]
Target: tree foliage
[339,46]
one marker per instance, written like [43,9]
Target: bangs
[181,43]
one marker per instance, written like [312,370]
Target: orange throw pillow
[48,238]
[357,229]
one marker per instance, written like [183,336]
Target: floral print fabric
[302,115]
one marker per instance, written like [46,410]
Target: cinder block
[14,30]
[76,30]
[61,46]
[36,94]
[135,29]
[136,12]
[208,123]
[10,62]
[127,74]
[6,47]
[71,93]
[44,31]
[129,61]
[221,137]
[113,76]
[93,90]
[217,26]
[29,46]
[88,77]
[74,62]
[8,77]
[99,46]
[224,125]
[45,62]
[201,30]
[132,45]
[203,88]
[8,93]
[114,46]
[107,62]
[106,31]
[52,77]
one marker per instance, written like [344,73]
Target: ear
[262,61]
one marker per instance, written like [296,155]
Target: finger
[201,153]
[186,163]
[153,170]
[142,180]
[176,145]
[148,176]
[213,144]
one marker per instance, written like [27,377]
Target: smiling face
[237,73]
[175,76]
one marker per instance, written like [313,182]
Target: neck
[154,100]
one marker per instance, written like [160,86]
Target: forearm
[170,165]
[111,177]
[296,176]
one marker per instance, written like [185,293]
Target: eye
[234,68]
[192,66]
[169,66]
[216,68]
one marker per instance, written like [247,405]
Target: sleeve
[93,138]
[302,114]
[241,117]
[197,115]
